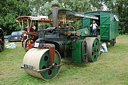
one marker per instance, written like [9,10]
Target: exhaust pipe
[55,8]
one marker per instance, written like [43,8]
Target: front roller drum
[93,48]
[39,59]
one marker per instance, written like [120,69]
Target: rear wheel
[93,48]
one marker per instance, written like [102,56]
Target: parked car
[15,36]
[6,36]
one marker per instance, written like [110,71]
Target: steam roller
[37,63]
[93,48]
[43,60]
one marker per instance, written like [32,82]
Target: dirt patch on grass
[16,43]
[122,39]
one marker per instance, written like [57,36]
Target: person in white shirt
[94,26]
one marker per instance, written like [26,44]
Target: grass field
[110,69]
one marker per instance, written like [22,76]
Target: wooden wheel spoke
[27,48]
[28,44]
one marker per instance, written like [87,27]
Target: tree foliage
[121,7]
[9,11]
[43,7]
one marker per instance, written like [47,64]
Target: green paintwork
[108,24]
[46,63]
[77,51]
[82,32]
[86,22]
[67,43]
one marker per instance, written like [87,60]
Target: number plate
[28,66]
[36,45]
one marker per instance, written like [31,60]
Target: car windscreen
[20,32]
[14,33]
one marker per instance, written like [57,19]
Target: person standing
[94,26]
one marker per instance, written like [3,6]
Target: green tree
[9,11]
[43,7]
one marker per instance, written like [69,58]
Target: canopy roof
[71,15]
[32,18]
[39,19]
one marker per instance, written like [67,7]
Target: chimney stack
[55,8]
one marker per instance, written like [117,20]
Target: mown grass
[123,35]
[110,69]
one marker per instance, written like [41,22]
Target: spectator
[94,26]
